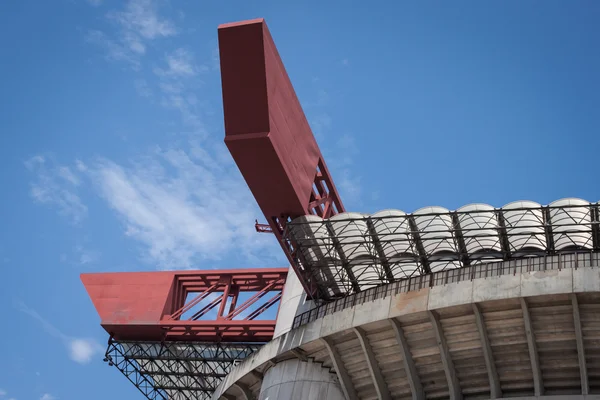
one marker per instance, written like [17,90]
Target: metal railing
[512,267]
[348,254]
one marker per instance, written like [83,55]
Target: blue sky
[111,140]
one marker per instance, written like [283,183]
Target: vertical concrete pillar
[298,380]
[293,302]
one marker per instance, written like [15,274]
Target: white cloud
[115,51]
[142,88]
[3,392]
[179,63]
[47,396]
[56,186]
[85,256]
[80,165]
[320,124]
[140,18]
[215,59]
[139,23]
[66,174]
[198,210]
[342,160]
[80,350]
[182,203]
[173,80]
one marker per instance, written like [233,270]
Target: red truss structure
[269,137]
[176,335]
[180,306]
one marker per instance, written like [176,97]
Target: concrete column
[293,302]
[299,380]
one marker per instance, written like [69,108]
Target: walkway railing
[511,267]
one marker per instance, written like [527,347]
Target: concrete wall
[293,302]
[298,380]
[529,284]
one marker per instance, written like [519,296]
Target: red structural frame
[269,137]
[272,144]
[152,305]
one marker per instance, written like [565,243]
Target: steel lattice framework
[176,370]
[352,252]
[176,335]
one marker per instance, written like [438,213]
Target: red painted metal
[268,134]
[152,305]
[262,228]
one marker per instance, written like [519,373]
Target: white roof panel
[351,251]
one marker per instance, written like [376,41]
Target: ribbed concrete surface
[295,379]
[539,345]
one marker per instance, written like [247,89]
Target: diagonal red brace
[251,300]
[177,314]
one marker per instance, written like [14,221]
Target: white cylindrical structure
[312,235]
[479,227]
[524,222]
[393,232]
[293,302]
[352,231]
[435,225]
[571,220]
[295,379]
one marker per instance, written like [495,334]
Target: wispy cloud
[184,202]
[140,20]
[86,256]
[320,124]
[3,392]
[215,59]
[142,88]
[80,256]
[173,79]
[138,24]
[340,151]
[179,63]
[342,160]
[114,50]
[47,396]
[80,350]
[56,186]
[181,205]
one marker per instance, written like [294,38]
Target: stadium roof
[351,252]
[176,370]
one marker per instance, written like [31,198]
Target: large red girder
[176,305]
[269,137]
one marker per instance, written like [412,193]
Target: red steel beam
[151,305]
[268,134]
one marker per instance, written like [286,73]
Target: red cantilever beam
[268,134]
[151,305]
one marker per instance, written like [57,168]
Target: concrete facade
[532,334]
[293,302]
[298,380]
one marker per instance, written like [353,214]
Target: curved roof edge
[566,280]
